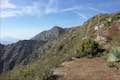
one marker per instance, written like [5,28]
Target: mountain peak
[51,34]
[56,27]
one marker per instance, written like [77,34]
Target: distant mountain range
[8,40]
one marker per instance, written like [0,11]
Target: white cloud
[70,9]
[7,14]
[31,9]
[37,8]
[19,10]
[8,9]
[51,7]
[80,15]
[6,4]
[96,10]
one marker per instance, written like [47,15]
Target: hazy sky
[23,19]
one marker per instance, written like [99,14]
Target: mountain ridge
[23,51]
[50,48]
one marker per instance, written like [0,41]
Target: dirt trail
[87,69]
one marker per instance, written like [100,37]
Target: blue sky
[22,19]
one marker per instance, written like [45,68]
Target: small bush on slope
[113,57]
[89,48]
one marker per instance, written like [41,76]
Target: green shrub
[113,57]
[89,48]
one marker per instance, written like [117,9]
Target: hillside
[24,51]
[37,58]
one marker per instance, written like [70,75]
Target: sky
[23,19]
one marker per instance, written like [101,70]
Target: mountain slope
[24,51]
[61,45]
[16,53]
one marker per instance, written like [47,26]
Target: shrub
[89,48]
[113,57]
